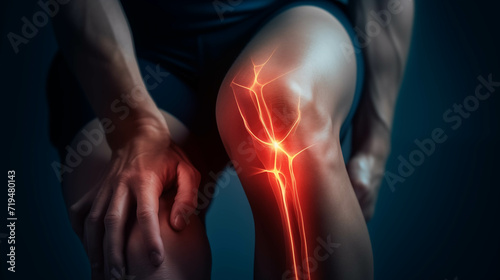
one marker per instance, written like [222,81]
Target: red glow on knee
[279,165]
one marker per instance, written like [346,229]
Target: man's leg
[279,112]
[184,250]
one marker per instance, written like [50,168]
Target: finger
[147,217]
[94,233]
[78,211]
[114,224]
[188,181]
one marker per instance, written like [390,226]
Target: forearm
[97,43]
[386,54]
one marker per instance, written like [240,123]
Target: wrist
[140,124]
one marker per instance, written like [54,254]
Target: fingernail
[179,222]
[155,258]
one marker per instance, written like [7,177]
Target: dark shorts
[183,71]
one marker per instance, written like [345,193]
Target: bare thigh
[285,99]
[184,250]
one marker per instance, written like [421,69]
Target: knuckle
[144,213]
[187,206]
[145,179]
[190,170]
[108,182]
[93,218]
[112,219]
[121,181]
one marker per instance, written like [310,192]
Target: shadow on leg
[285,99]
[183,250]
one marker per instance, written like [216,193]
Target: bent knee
[289,81]
[254,119]
[183,250]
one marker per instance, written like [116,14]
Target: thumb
[186,199]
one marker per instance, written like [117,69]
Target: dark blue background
[441,223]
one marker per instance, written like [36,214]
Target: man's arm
[386,27]
[97,43]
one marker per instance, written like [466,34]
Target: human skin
[97,45]
[102,57]
[184,249]
[315,72]
[386,54]
[318,83]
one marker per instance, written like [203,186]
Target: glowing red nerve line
[280,174]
